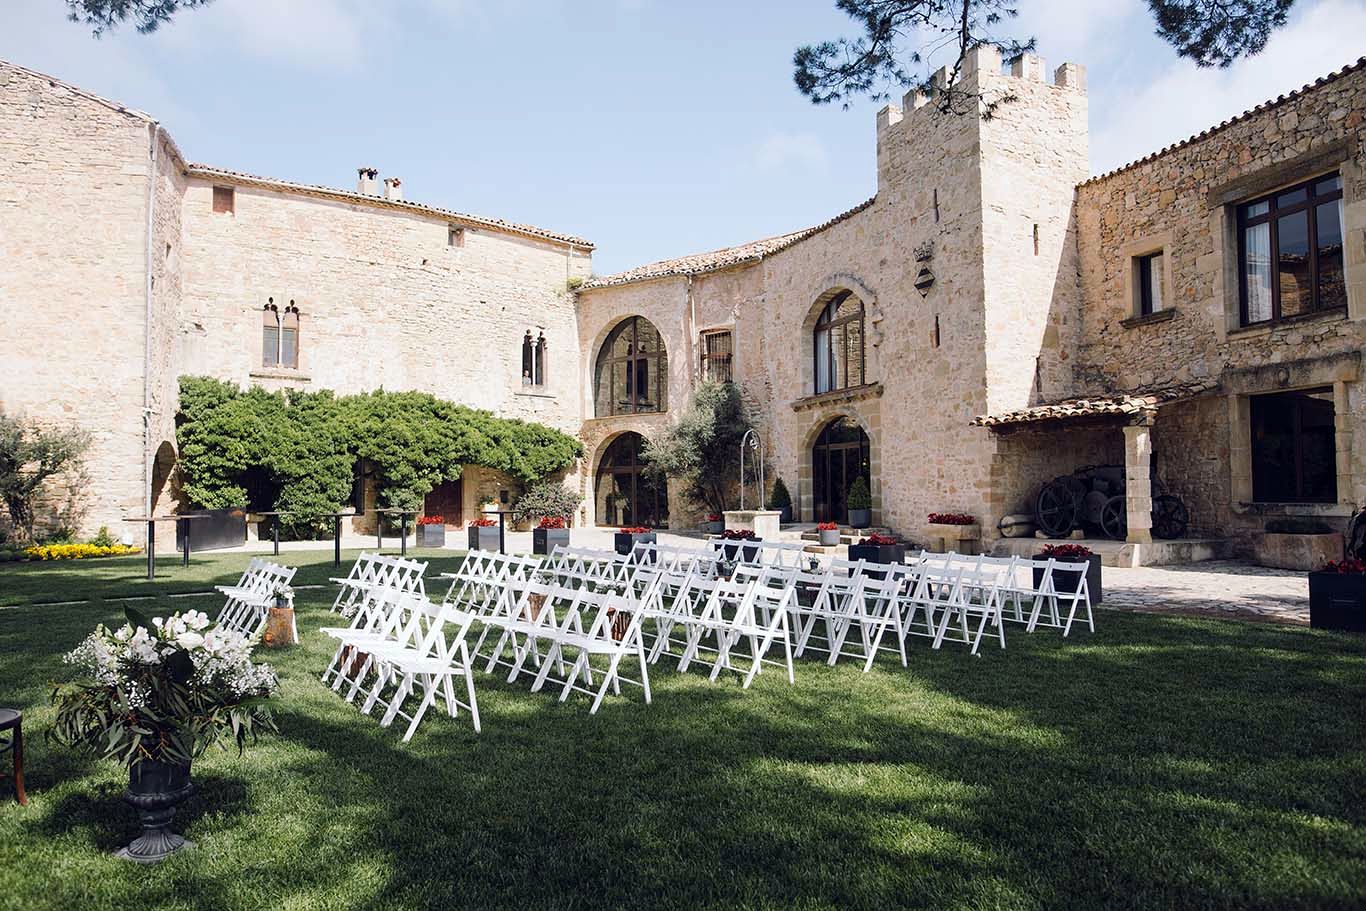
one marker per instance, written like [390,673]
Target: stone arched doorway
[624,494]
[162,466]
[840,454]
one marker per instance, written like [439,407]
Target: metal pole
[151,550]
[336,540]
[502,533]
[403,534]
[275,534]
[185,560]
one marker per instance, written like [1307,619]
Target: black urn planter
[1337,601]
[878,553]
[545,540]
[1067,582]
[484,537]
[431,536]
[746,551]
[860,518]
[625,542]
[154,790]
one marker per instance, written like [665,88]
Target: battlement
[981,66]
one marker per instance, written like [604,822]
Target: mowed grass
[1160,763]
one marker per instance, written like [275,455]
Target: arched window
[839,344]
[527,357]
[280,336]
[539,361]
[533,360]
[632,370]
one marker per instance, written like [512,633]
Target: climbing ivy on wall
[301,448]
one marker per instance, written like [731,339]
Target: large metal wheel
[1170,517]
[1114,521]
[1056,507]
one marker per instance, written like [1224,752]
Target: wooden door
[448,501]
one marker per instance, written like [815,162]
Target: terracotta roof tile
[1138,402]
[1259,109]
[716,260]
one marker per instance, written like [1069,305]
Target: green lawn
[1162,763]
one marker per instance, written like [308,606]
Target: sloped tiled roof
[1259,109]
[1132,403]
[716,260]
[211,173]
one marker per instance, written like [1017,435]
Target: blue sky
[654,128]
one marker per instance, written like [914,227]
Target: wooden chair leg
[19,765]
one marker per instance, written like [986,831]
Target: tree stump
[280,629]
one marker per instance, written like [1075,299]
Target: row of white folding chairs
[403,641]
[249,601]
[1061,590]
[372,573]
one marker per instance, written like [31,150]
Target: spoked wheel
[1170,517]
[1114,521]
[1056,508]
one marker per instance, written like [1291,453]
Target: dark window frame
[224,200]
[1272,217]
[1297,397]
[1143,265]
[277,325]
[639,367]
[718,365]
[828,323]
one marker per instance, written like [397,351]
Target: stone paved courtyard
[1215,588]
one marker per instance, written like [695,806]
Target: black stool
[12,720]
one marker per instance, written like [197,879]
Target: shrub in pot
[626,540]
[153,695]
[431,531]
[484,534]
[879,549]
[781,501]
[860,502]
[1068,581]
[715,524]
[550,533]
[1337,596]
[738,545]
[830,534]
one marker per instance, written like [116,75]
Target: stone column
[1138,492]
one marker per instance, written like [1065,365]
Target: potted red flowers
[878,549]
[431,531]
[738,545]
[626,540]
[550,533]
[1068,581]
[484,534]
[1337,596]
[714,525]
[830,534]
[956,531]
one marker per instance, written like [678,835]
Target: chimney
[365,182]
[393,189]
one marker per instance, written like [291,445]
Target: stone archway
[864,415]
[163,465]
[840,454]
[623,495]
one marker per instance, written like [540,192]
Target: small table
[502,515]
[152,537]
[12,720]
[336,518]
[403,515]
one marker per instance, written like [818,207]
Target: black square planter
[1337,601]
[738,551]
[431,536]
[484,537]
[626,542]
[878,553]
[1067,582]
[545,540]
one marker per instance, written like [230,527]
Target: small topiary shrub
[781,499]
[860,497]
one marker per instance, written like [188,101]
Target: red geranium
[483,522]
[431,520]
[1067,551]
[635,530]
[827,526]
[553,522]
[739,534]
[952,518]
[1345,566]
[880,540]
[714,517]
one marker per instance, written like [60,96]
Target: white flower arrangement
[163,688]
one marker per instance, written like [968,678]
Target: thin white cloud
[1181,99]
[788,151]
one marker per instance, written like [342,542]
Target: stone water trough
[1300,544]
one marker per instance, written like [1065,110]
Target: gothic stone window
[280,336]
[717,352]
[839,344]
[533,360]
[1294,452]
[632,370]
[1290,252]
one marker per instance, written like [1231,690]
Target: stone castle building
[992,318]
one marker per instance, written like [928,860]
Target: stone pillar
[1138,492]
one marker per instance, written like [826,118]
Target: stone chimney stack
[393,189]
[366,182]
